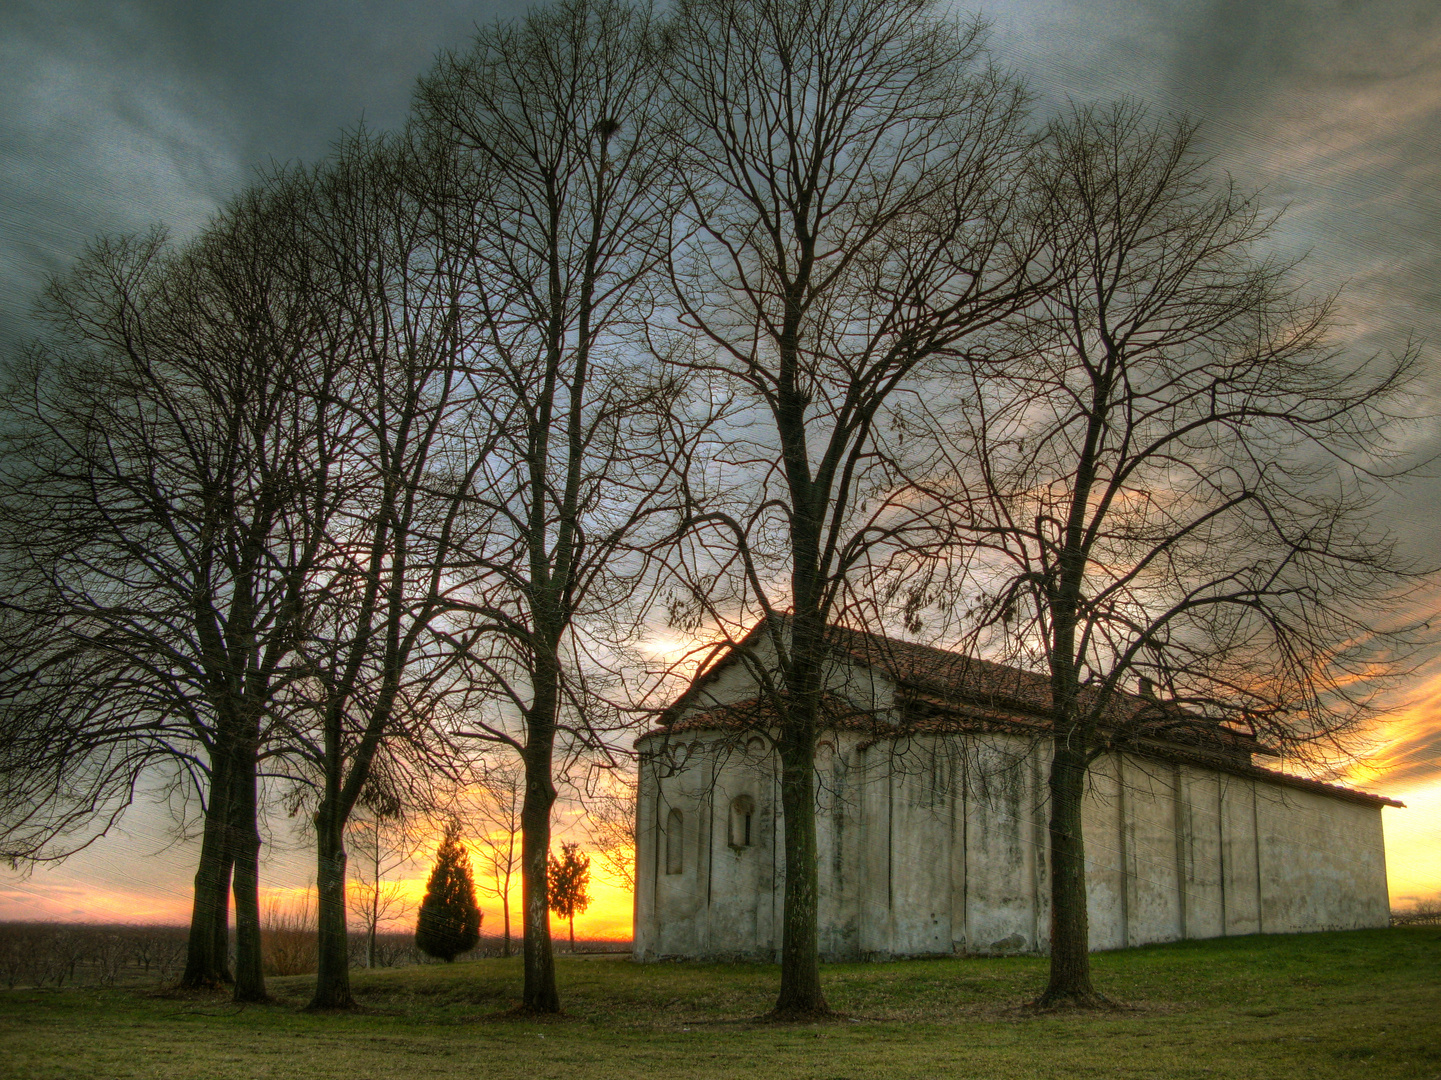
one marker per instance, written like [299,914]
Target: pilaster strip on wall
[1256,850]
[1178,824]
[1123,849]
[1221,848]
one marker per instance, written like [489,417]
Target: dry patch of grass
[1360,1004]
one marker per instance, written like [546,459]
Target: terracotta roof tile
[838,715]
[952,677]
[947,692]
[941,679]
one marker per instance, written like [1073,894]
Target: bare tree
[384,842]
[610,820]
[1169,483]
[68,770]
[495,821]
[161,447]
[559,118]
[380,659]
[851,175]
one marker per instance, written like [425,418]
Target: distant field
[1357,1004]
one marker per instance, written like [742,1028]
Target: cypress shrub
[449,922]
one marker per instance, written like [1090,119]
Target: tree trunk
[372,923]
[1070,981]
[540,994]
[332,975]
[800,993]
[249,968]
[572,933]
[222,908]
[208,945]
[505,909]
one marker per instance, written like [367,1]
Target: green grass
[1359,1004]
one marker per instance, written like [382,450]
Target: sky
[135,112]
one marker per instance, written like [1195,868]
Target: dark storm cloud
[1332,109]
[1337,109]
[293,74]
[120,115]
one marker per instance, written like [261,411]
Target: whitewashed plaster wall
[937,845]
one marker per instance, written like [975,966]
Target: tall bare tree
[1169,483]
[380,659]
[560,119]
[161,447]
[850,219]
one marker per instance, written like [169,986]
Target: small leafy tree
[449,922]
[569,877]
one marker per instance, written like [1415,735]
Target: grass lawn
[1356,1004]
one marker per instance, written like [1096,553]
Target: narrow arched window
[674,861]
[742,813]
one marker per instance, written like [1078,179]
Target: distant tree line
[748,308]
[54,954]
[81,954]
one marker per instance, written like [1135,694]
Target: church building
[931,819]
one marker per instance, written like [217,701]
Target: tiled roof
[1320,787]
[947,678]
[937,680]
[945,692]
[944,673]
[755,714]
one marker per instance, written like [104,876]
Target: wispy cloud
[1407,751]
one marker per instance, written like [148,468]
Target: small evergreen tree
[449,922]
[569,877]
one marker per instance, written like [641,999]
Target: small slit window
[674,851]
[741,818]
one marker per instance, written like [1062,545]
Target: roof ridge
[961,676]
[748,714]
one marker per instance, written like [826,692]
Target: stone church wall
[937,846]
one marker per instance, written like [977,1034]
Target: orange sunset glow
[141,875]
[155,117]
[1405,763]
[608,918]
[106,884]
